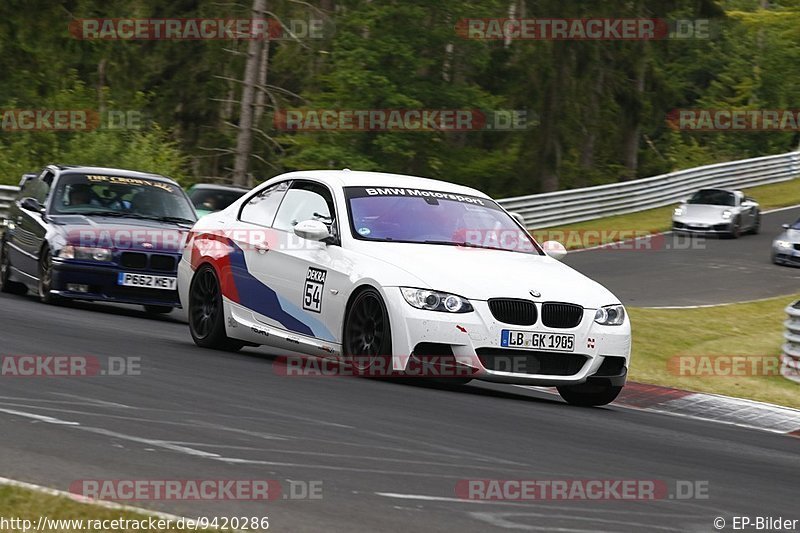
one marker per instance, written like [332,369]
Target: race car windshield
[434,217]
[713,197]
[120,196]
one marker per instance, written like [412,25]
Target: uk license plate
[534,340]
[147,281]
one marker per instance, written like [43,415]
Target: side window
[35,188]
[27,189]
[46,184]
[261,208]
[305,201]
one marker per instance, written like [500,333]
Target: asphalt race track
[389,455]
[675,270]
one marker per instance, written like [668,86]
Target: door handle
[261,249]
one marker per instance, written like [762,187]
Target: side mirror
[785,226]
[31,204]
[519,218]
[554,249]
[27,177]
[313,230]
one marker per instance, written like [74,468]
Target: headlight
[610,315]
[436,301]
[85,253]
[726,215]
[678,211]
[783,244]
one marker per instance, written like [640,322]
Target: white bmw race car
[353,267]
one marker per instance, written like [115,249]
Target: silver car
[717,211]
[786,246]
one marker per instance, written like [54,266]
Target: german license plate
[147,281]
[534,340]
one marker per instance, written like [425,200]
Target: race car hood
[791,235]
[480,274]
[704,213]
[121,233]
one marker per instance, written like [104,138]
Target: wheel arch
[358,289]
[395,326]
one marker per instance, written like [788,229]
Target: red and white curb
[708,407]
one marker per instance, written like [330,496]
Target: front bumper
[704,227]
[102,284]
[601,352]
[786,256]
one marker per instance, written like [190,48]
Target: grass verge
[744,329]
[609,229]
[25,504]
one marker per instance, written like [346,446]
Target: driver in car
[80,195]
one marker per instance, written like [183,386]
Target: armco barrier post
[7,195]
[790,362]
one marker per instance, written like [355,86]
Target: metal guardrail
[588,203]
[7,195]
[790,362]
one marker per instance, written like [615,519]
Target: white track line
[704,306]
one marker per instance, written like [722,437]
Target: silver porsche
[717,211]
[786,246]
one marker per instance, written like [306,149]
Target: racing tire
[206,313]
[158,309]
[589,394]
[367,333]
[756,225]
[736,230]
[6,285]
[45,283]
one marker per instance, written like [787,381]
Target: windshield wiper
[158,217]
[468,245]
[122,214]
[99,213]
[178,220]
[455,243]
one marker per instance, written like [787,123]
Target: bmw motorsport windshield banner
[361,192]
